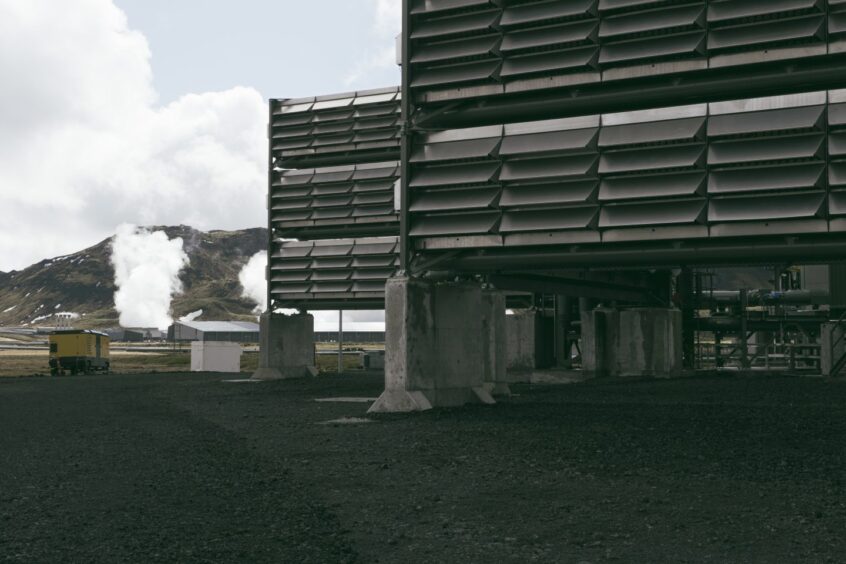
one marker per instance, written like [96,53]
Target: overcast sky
[154,111]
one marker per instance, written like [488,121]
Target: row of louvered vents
[336,165]
[576,181]
[468,48]
[336,273]
[339,129]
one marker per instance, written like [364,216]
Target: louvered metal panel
[534,169]
[347,273]
[747,168]
[334,173]
[472,198]
[651,214]
[837,21]
[582,218]
[549,194]
[764,149]
[837,152]
[549,142]
[777,157]
[483,49]
[343,128]
[647,186]
[837,173]
[334,201]
[749,208]
[684,130]
[806,118]
[788,176]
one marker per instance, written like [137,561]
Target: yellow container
[78,351]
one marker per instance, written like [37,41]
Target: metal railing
[773,356]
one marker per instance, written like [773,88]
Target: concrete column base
[520,331]
[632,342]
[830,333]
[498,389]
[495,346]
[266,373]
[434,356]
[286,348]
[404,401]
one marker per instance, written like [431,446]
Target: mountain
[83,282]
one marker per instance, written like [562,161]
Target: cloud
[387,24]
[84,146]
[388,16]
[147,266]
[253,281]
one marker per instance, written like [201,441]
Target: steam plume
[253,280]
[147,266]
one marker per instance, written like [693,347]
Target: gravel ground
[186,468]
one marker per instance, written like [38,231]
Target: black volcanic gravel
[186,468]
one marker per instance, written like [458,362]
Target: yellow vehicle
[78,351]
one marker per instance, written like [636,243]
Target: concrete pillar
[831,334]
[686,298]
[287,347]
[600,340]
[434,346]
[520,345]
[493,325]
[632,342]
[563,307]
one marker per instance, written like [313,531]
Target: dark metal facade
[551,134]
[469,49]
[333,273]
[332,183]
[774,166]
[341,129]
[308,203]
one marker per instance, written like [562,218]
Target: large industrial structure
[601,161]
[333,220]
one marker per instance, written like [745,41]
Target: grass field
[27,363]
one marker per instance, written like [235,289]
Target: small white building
[215,356]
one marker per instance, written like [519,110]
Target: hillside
[83,282]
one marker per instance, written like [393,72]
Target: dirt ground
[187,468]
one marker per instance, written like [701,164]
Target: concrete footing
[286,348]
[495,353]
[829,334]
[437,347]
[632,342]
[520,345]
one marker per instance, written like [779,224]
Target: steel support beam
[406,139]
[713,85]
[270,234]
[572,287]
[712,253]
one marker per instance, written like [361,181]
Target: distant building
[350,336]
[134,335]
[229,331]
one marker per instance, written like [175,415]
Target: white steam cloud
[381,57]
[147,266]
[253,281]
[114,154]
